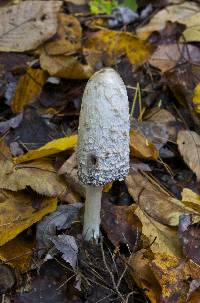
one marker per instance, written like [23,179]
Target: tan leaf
[17,253]
[191,199]
[4,150]
[189,147]
[17,213]
[182,13]
[40,175]
[65,67]
[27,25]
[28,88]
[154,201]
[141,147]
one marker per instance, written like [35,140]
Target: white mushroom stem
[92,212]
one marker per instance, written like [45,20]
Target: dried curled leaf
[39,175]
[17,213]
[27,25]
[189,147]
[28,88]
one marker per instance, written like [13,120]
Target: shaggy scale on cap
[103,133]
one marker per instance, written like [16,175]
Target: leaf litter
[149,221]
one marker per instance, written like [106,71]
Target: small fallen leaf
[28,88]
[141,147]
[67,246]
[35,22]
[65,67]
[17,253]
[61,218]
[191,199]
[17,213]
[189,148]
[102,6]
[40,175]
[196,98]
[51,148]
[108,46]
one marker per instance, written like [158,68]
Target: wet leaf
[189,147]
[17,213]
[141,147]
[40,175]
[17,253]
[28,89]
[51,148]
[196,99]
[35,23]
[108,46]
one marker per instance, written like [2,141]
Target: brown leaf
[39,175]
[189,147]
[141,147]
[27,25]
[154,201]
[17,213]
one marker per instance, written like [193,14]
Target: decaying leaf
[60,219]
[11,123]
[191,199]
[28,88]
[174,276]
[4,150]
[108,46]
[196,99]
[51,148]
[68,37]
[141,147]
[185,13]
[143,274]
[40,175]
[17,212]
[27,25]
[189,147]
[65,67]
[67,246]
[155,202]
[17,253]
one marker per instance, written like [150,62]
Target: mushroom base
[92,213]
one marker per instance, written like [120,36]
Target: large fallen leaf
[27,25]
[17,253]
[40,175]
[17,213]
[141,147]
[189,147]
[186,13]
[28,88]
[51,148]
[166,56]
[65,67]
[108,46]
[68,37]
[175,276]
[155,202]
[196,98]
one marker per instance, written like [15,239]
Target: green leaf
[132,4]
[102,6]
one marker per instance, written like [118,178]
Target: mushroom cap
[103,133]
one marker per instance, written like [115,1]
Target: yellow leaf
[51,148]
[17,253]
[28,88]
[17,213]
[191,199]
[108,46]
[140,147]
[40,175]
[196,98]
